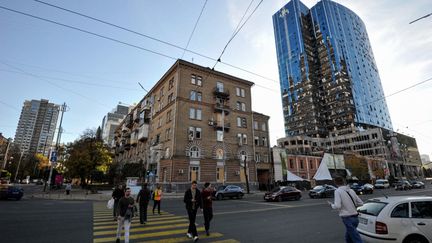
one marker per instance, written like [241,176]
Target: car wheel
[297,197]
[219,197]
[279,199]
[415,239]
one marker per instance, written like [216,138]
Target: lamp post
[19,163]
[244,157]
[9,141]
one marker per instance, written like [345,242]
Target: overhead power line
[427,15]
[87,32]
[237,30]
[157,40]
[196,24]
[8,105]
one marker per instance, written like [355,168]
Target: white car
[381,183]
[404,219]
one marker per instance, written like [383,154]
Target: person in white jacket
[347,201]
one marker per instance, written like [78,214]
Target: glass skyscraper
[328,75]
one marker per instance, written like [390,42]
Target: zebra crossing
[165,228]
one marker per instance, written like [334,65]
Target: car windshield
[221,188]
[318,188]
[276,189]
[372,208]
[380,182]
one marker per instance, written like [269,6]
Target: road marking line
[266,204]
[105,222]
[183,239]
[114,225]
[227,241]
[145,235]
[141,229]
[148,216]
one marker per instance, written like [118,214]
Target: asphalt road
[247,220]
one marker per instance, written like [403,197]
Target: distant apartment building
[37,126]
[196,124]
[111,121]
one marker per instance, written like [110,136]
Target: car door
[285,193]
[421,217]
[330,191]
[229,191]
[399,222]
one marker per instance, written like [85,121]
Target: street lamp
[19,163]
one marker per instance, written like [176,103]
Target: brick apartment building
[196,124]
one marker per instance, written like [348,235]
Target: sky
[41,60]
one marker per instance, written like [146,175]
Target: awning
[322,173]
[293,177]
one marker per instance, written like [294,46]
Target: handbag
[110,203]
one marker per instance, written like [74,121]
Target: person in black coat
[117,194]
[143,199]
[193,201]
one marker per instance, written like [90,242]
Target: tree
[86,156]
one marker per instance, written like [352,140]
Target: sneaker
[207,233]
[118,240]
[195,239]
[189,235]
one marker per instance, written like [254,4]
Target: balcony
[120,149]
[127,144]
[134,139]
[218,107]
[222,93]
[143,132]
[219,126]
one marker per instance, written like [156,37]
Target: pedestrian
[68,188]
[207,206]
[193,201]
[157,196]
[117,194]
[347,201]
[143,199]
[126,212]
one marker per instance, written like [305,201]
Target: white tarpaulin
[333,160]
[322,173]
[293,177]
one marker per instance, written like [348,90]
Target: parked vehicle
[322,191]
[362,189]
[9,191]
[382,184]
[229,191]
[38,181]
[417,184]
[403,185]
[283,193]
[406,219]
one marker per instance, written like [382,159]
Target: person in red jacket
[206,195]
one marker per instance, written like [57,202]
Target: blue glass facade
[328,76]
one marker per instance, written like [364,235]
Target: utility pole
[245,172]
[62,109]
[6,153]
[19,163]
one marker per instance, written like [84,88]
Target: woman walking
[157,196]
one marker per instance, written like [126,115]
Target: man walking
[206,195]
[157,198]
[116,195]
[143,199]
[126,212]
[193,201]
[346,201]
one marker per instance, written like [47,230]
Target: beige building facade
[195,124]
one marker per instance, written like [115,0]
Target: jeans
[208,215]
[126,223]
[158,205]
[192,217]
[351,234]
[143,212]
[115,208]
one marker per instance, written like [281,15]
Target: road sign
[53,156]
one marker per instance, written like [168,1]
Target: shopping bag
[110,203]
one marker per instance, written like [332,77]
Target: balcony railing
[143,132]
[220,92]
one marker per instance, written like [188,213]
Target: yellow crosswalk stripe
[142,229]
[226,241]
[146,235]
[183,239]
[100,218]
[110,221]
[135,224]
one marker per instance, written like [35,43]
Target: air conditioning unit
[237,172]
[211,123]
[191,137]
[180,171]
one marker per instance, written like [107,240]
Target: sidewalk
[78,194]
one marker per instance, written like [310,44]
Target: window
[421,209]
[168,118]
[162,92]
[194,133]
[239,121]
[244,122]
[243,106]
[311,164]
[244,139]
[219,136]
[242,92]
[193,79]
[160,122]
[257,157]
[195,95]
[256,139]
[199,80]
[264,141]
[301,164]
[291,162]
[220,86]
[239,139]
[195,114]
[170,98]
[400,211]
[194,152]
[263,127]
[194,174]
[255,125]
[238,105]
[141,118]
[238,91]
[171,84]
[168,134]
[266,158]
